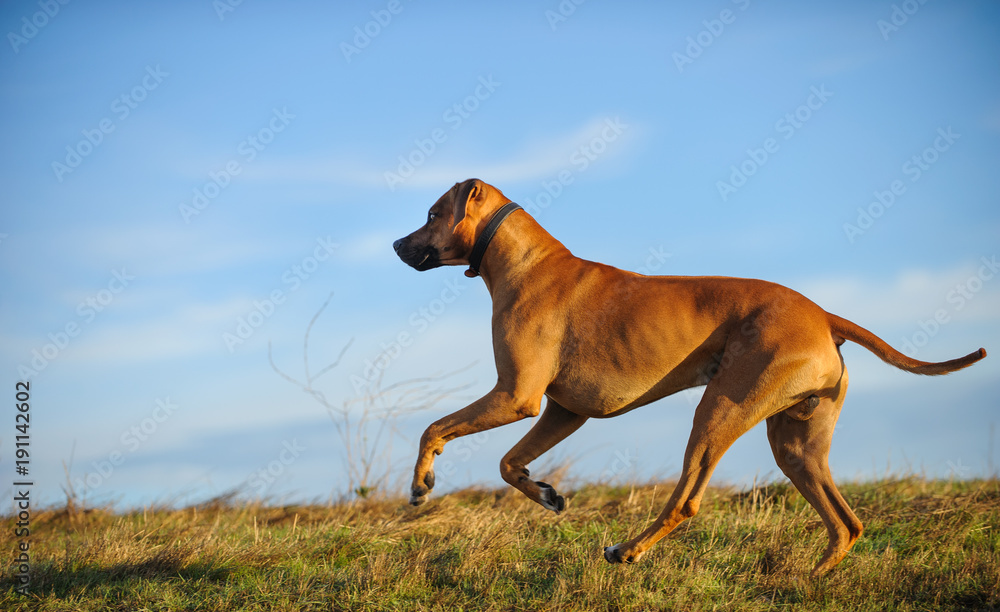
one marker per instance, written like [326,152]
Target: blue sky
[179,176]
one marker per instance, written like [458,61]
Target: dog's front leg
[496,408]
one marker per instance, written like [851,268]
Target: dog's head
[453,223]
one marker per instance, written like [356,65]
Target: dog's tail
[855,333]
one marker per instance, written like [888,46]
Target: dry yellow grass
[927,546]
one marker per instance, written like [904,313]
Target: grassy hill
[928,545]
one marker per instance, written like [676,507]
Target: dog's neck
[519,246]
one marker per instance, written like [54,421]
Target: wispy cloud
[932,315]
[369,247]
[190,330]
[912,295]
[535,159]
[150,250]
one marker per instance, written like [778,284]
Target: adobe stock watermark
[420,321]
[957,299]
[121,107]
[224,7]
[654,261]
[32,25]
[291,279]
[956,469]
[370,30]
[621,463]
[131,440]
[246,151]
[714,28]
[464,448]
[263,479]
[913,168]
[898,17]
[580,160]
[565,10]
[787,126]
[740,344]
[86,311]
[454,116]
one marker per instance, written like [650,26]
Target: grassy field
[928,545]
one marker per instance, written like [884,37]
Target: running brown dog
[599,341]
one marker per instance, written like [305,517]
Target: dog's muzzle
[420,258]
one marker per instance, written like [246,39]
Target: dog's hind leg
[552,427]
[718,422]
[801,448]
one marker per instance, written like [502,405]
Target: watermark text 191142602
[22,486]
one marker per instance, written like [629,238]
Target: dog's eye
[431,217]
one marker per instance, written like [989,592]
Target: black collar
[479,249]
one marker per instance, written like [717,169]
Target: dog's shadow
[119,578]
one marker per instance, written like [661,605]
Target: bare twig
[72,499]
[366,424]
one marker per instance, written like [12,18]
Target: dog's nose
[397,244]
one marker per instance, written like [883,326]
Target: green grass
[928,545]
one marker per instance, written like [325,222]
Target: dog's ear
[468,195]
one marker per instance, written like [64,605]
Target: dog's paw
[418,494]
[616,554]
[551,500]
